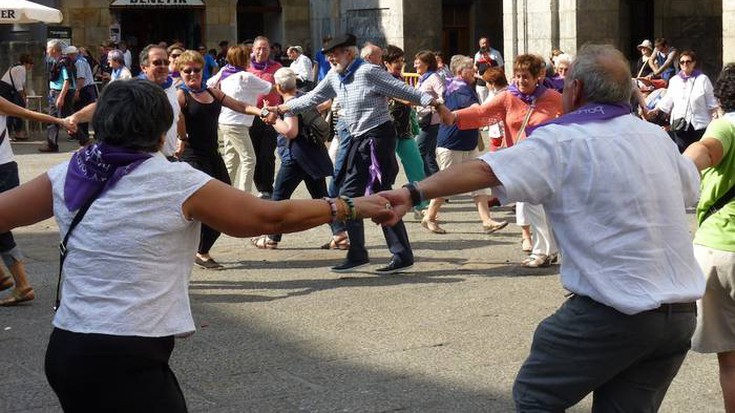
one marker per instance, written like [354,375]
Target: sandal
[526,245]
[537,261]
[495,226]
[209,264]
[18,296]
[432,226]
[340,243]
[6,283]
[264,243]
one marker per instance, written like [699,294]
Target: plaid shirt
[363,96]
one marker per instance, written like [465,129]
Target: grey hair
[285,78]
[143,56]
[563,58]
[56,44]
[297,49]
[603,71]
[116,55]
[461,62]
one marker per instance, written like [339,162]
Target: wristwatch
[264,112]
[416,196]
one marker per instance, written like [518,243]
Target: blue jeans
[339,161]
[289,177]
[426,141]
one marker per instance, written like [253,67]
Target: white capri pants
[535,216]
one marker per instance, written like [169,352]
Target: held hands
[446,115]
[400,201]
[69,123]
[376,207]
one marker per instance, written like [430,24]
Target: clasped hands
[385,208]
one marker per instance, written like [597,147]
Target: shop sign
[157,3]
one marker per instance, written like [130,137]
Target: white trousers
[239,155]
[535,216]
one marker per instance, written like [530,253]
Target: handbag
[717,205]
[424,121]
[680,125]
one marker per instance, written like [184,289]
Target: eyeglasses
[685,62]
[191,70]
[160,62]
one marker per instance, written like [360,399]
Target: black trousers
[212,165]
[103,373]
[686,137]
[354,178]
[52,130]
[8,180]
[264,142]
[87,95]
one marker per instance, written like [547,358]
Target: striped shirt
[363,96]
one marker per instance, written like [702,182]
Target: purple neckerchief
[230,70]
[454,84]
[262,66]
[374,169]
[686,77]
[175,74]
[95,169]
[587,113]
[425,76]
[527,99]
[350,70]
[166,85]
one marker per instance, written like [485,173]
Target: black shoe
[265,195]
[48,149]
[349,265]
[395,265]
[209,264]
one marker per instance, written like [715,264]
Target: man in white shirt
[615,190]
[127,56]
[154,67]
[302,66]
[486,58]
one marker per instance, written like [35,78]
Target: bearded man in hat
[363,91]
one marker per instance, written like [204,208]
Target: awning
[22,11]
[157,4]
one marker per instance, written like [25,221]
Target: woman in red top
[525,103]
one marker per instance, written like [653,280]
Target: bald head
[372,53]
[602,72]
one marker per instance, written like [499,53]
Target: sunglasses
[685,62]
[160,62]
[175,55]
[191,70]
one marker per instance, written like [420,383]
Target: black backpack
[316,129]
[55,71]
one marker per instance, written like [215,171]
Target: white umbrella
[22,11]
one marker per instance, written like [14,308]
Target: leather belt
[676,308]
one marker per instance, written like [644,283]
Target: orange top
[511,110]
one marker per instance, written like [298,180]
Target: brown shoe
[48,149]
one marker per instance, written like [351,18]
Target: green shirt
[58,84]
[718,230]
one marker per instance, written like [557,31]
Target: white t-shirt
[19,77]
[169,146]
[242,86]
[615,194]
[129,260]
[6,150]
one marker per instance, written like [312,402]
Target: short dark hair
[661,41]
[689,53]
[143,56]
[725,88]
[529,62]
[223,43]
[123,118]
[392,53]
[427,56]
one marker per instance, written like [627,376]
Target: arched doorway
[258,17]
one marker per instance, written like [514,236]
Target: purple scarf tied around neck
[453,84]
[95,169]
[261,66]
[230,70]
[587,113]
[686,77]
[527,99]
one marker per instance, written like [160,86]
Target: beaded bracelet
[352,211]
[332,206]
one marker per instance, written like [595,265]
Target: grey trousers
[627,361]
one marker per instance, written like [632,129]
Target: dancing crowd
[573,144]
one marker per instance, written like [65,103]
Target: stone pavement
[278,332]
